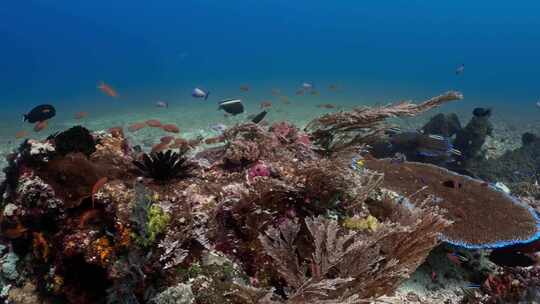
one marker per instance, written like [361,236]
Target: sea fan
[164,166]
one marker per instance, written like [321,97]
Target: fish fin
[206,96]
[427,153]
[436,137]
[456,152]
[393,131]
[25,117]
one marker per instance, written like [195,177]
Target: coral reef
[267,214]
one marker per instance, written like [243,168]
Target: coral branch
[337,131]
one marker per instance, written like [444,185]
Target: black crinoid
[163,166]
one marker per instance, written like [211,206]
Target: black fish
[259,117]
[40,113]
[232,106]
[481,112]
[511,259]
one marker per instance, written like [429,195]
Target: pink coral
[304,140]
[282,129]
[259,169]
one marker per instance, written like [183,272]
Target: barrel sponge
[483,216]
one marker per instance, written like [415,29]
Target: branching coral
[337,131]
[163,166]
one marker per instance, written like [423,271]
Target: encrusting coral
[261,216]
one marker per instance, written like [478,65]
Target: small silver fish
[200,93]
[219,128]
[307,86]
[460,69]
[162,104]
[436,137]
[538,104]
[472,286]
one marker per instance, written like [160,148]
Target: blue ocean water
[55,51]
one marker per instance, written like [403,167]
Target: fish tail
[206,96]
[25,117]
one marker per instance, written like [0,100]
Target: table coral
[475,206]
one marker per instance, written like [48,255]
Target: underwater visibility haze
[269,151]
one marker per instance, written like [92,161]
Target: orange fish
[166,139]
[160,147]
[179,143]
[88,216]
[154,123]
[40,126]
[170,128]
[98,185]
[21,134]
[40,246]
[80,115]
[107,89]
[14,233]
[136,126]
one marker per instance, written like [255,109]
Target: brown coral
[72,177]
[345,266]
[474,206]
